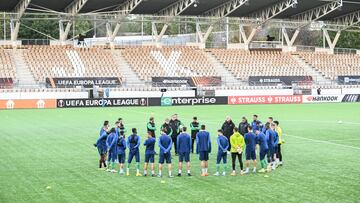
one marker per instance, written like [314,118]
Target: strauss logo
[233,100]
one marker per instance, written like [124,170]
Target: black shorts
[165,157]
[204,156]
[149,158]
[263,152]
[250,155]
[121,158]
[184,155]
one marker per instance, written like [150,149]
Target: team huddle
[112,145]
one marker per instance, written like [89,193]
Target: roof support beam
[176,8]
[247,38]
[319,12]
[274,10]
[203,36]
[171,11]
[14,28]
[220,12]
[309,17]
[19,11]
[64,31]
[75,7]
[262,17]
[290,41]
[126,8]
[158,36]
[331,43]
[225,9]
[20,8]
[348,20]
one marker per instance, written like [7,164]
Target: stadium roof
[154,6]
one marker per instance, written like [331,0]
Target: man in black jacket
[151,127]
[228,129]
[243,126]
[195,128]
[175,124]
[166,127]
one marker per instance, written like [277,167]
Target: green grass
[41,148]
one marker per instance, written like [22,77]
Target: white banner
[322,98]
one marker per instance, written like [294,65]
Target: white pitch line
[317,121]
[323,141]
[339,140]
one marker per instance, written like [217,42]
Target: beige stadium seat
[145,61]
[243,64]
[7,65]
[59,61]
[333,65]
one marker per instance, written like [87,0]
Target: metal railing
[35,42]
[305,48]
[265,45]
[344,51]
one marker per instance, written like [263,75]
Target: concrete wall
[337,91]
[253,92]
[136,94]
[43,95]
[152,94]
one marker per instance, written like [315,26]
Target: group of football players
[233,140]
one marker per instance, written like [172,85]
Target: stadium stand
[333,65]
[7,66]
[258,63]
[149,61]
[183,61]
[66,61]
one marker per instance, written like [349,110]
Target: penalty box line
[324,141]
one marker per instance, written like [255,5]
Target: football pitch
[48,156]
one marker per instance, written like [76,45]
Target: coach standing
[243,126]
[195,128]
[228,129]
[175,124]
[151,127]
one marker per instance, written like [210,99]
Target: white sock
[206,170]
[145,171]
[247,168]
[188,171]
[121,170]
[159,173]
[127,170]
[137,171]
[254,169]
[179,171]
[169,173]
[203,170]
[153,172]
